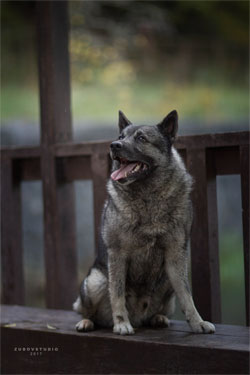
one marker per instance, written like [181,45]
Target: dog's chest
[144,218]
[146,265]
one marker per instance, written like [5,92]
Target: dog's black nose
[115,145]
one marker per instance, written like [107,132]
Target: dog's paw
[207,327]
[123,328]
[85,325]
[203,327]
[159,320]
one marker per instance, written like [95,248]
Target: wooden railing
[206,156]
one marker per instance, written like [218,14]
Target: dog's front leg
[117,282]
[177,273]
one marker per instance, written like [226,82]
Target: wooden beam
[74,168]
[225,142]
[28,169]
[173,350]
[74,159]
[244,162]
[58,197]
[226,160]
[204,236]
[82,149]
[16,152]
[213,140]
[99,168]
[11,236]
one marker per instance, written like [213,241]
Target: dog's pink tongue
[121,172]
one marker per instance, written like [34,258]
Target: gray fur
[142,261]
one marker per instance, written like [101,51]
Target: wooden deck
[170,350]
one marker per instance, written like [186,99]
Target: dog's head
[139,150]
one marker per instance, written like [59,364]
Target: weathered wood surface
[217,140]
[99,168]
[58,195]
[213,140]
[12,274]
[152,351]
[226,155]
[244,162]
[204,236]
[58,164]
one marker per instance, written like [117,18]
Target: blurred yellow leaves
[105,78]
[91,62]
[118,71]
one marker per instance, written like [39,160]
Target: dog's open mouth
[129,169]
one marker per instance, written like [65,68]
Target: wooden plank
[87,148]
[59,198]
[226,160]
[157,351]
[73,168]
[29,169]
[82,149]
[204,236]
[213,140]
[60,239]
[213,233]
[52,22]
[99,168]
[11,239]
[244,162]
[88,354]
[16,152]
[37,318]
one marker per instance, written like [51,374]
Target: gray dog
[142,256]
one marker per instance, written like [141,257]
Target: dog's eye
[141,138]
[121,136]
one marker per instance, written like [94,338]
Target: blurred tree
[147,33]
[151,34]
[18,42]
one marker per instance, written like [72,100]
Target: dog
[142,261]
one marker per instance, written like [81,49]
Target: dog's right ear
[123,121]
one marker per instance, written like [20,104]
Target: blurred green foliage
[153,98]
[232,278]
[143,57]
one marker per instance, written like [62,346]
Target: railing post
[99,169]
[204,236]
[11,235]
[58,196]
[244,167]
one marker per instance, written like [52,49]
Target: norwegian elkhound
[142,260]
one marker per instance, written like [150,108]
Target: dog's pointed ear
[169,125]
[123,121]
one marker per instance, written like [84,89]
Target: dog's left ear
[169,125]
[123,121]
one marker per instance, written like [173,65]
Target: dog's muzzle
[116,145]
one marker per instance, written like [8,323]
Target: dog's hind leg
[92,290]
[166,311]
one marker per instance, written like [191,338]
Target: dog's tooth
[126,174]
[137,167]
